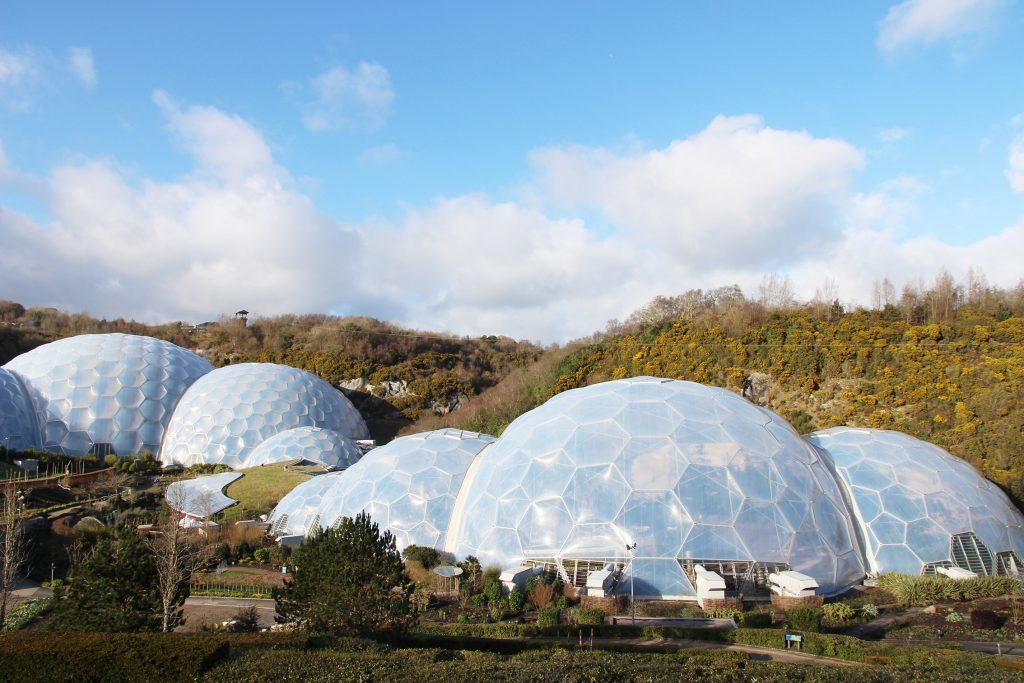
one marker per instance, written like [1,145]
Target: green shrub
[428,557]
[492,591]
[755,619]
[804,619]
[733,614]
[562,602]
[954,617]
[869,610]
[927,590]
[496,614]
[261,555]
[590,616]
[516,600]
[547,616]
[838,611]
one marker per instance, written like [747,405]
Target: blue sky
[529,170]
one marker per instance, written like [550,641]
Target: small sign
[794,639]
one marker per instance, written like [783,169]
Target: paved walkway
[674,645]
[883,622]
[1010,649]
[25,589]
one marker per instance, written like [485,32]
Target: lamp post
[631,549]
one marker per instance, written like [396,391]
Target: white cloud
[225,146]
[889,136]
[476,266]
[81,64]
[1015,171]
[14,68]
[344,98]
[238,231]
[737,192]
[230,234]
[928,21]
[381,155]
[19,73]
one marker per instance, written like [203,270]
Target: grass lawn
[260,489]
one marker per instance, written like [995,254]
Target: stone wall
[785,603]
[723,604]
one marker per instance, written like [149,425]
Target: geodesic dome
[690,474]
[232,410]
[19,428]
[323,446]
[919,507]
[298,513]
[408,486]
[114,392]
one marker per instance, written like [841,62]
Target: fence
[229,590]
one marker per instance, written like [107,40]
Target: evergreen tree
[112,588]
[348,579]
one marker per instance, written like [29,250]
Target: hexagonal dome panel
[910,498]
[408,486]
[111,391]
[19,427]
[322,446]
[687,472]
[232,410]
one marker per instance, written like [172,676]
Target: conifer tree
[112,588]
[348,579]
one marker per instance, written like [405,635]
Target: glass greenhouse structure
[408,486]
[690,474]
[320,446]
[105,393]
[918,508]
[649,478]
[232,410]
[655,479]
[18,426]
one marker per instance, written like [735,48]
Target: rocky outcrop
[757,388]
[360,391]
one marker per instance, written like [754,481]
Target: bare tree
[13,544]
[776,293]
[179,553]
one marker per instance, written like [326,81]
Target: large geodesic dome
[322,446]
[19,428]
[918,507]
[232,410]
[690,474]
[106,392]
[408,486]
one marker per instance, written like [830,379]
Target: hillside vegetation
[393,375]
[945,364]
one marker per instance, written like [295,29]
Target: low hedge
[107,657]
[457,630]
[238,658]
